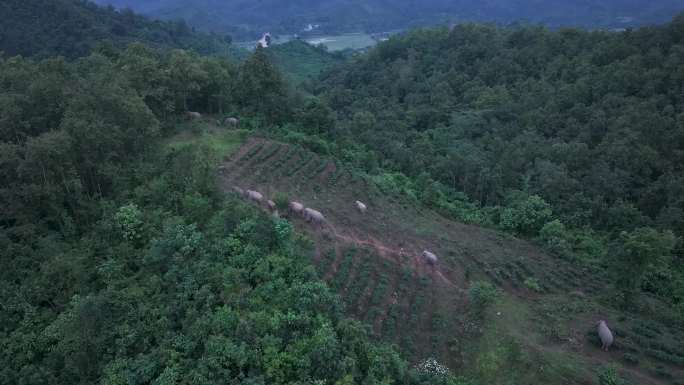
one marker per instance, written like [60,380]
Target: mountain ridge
[250,18]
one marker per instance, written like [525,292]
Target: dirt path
[391,254]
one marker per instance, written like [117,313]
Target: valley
[348,41]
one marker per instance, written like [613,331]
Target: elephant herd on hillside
[229,121]
[294,208]
[308,214]
[316,217]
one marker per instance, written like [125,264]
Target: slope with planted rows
[374,261]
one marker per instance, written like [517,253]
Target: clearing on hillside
[374,260]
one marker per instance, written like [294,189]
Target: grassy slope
[373,262]
[219,140]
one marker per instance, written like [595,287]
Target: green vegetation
[73,28]
[568,136]
[123,262]
[338,16]
[301,61]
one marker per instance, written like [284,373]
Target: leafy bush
[524,214]
[129,220]
[482,294]
[608,376]
[533,284]
[282,201]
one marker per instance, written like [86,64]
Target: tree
[261,89]
[317,118]
[185,77]
[525,214]
[638,252]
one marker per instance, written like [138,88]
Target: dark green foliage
[640,251]
[608,376]
[282,201]
[482,294]
[487,110]
[300,61]
[73,28]
[122,262]
[260,80]
[569,135]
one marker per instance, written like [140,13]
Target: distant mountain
[72,28]
[249,18]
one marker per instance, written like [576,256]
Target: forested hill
[71,28]
[251,18]
[591,122]
[122,263]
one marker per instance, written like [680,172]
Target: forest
[580,133]
[72,28]
[123,262]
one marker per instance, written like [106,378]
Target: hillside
[374,262]
[300,61]
[122,263]
[72,28]
[520,185]
[585,127]
[248,19]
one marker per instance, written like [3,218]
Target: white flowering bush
[431,366]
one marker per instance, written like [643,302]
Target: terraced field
[374,261]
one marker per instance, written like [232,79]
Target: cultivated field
[543,324]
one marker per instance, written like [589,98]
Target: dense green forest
[299,61]
[124,263]
[584,130]
[72,28]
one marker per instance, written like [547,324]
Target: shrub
[533,284]
[482,295]
[556,238]
[283,230]
[129,220]
[608,376]
[282,200]
[524,214]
